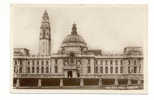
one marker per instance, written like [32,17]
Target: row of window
[33,62]
[106,70]
[78,61]
[134,69]
[38,70]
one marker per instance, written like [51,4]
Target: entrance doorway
[69,73]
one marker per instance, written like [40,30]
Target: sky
[106,27]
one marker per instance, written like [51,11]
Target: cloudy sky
[106,27]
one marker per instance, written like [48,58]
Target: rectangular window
[88,61]
[128,62]
[33,62]
[89,69]
[116,70]
[121,62]
[47,69]
[15,62]
[55,61]
[42,69]
[95,69]
[47,63]
[28,62]
[135,69]
[111,69]
[105,62]
[134,62]
[96,62]
[116,62]
[20,62]
[106,69]
[110,62]
[37,70]
[38,62]
[56,69]
[139,68]
[20,69]
[101,62]
[128,69]
[78,61]
[15,70]
[121,69]
[33,69]
[101,69]
[28,69]
[42,62]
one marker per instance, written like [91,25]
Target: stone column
[129,82]
[116,82]
[39,83]
[61,82]
[81,82]
[18,83]
[100,82]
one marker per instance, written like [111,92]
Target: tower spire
[45,37]
[74,29]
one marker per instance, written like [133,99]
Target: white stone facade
[75,61]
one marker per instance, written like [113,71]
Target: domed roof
[73,39]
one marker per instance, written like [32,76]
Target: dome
[73,39]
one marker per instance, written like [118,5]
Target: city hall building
[75,65]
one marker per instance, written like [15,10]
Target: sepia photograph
[84,48]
